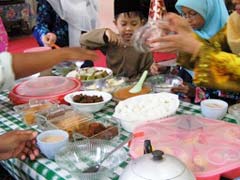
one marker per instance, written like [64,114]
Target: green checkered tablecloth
[43,168]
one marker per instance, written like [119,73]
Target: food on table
[52,138]
[137,110]
[80,98]
[115,81]
[214,105]
[86,128]
[123,93]
[87,74]
[29,114]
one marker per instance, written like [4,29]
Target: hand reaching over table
[18,144]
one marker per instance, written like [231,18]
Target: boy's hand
[49,39]
[113,37]
[20,144]
[156,69]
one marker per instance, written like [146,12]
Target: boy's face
[127,25]
[237,5]
[194,18]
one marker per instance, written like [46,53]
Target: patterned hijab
[214,12]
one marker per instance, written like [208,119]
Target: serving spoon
[138,87]
[96,167]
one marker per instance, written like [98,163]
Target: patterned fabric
[44,169]
[216,43]
[3,37]
[14,12]
[49,21]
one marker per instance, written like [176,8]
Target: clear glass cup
[150,30]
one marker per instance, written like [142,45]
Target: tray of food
[28,111]
[79,125]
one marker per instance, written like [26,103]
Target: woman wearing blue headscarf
[208,18]
[213,12]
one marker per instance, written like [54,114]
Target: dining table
[43,168]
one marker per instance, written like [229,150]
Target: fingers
[154,69]
[23,136]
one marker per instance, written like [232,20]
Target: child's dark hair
[132,14]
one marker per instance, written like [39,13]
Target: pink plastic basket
[210,148]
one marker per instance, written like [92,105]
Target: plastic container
[149,107]
[78,156]
[164,82]
[29,110]
[79,125]
[210,148]
[51,88]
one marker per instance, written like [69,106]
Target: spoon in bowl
[138,87]
[96,167]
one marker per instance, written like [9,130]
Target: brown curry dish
[123,93]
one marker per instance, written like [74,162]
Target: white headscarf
[81,15]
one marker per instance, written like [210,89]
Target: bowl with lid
[51,88]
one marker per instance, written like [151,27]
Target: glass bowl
[164,82]
[78,156]
[234,110]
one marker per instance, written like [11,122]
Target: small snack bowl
[49,142]
[29,110]
[214,108]
[164,82]
[86,100]
[78,156]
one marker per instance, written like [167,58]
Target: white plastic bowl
[214,108]
[137,110]
[88,107]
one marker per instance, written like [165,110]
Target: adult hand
[180,38]
[113,38]
[49,39]
[18,143]
[184,88]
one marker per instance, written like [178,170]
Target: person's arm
[217,69]
[30,63]
[94,39]
[43,21]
